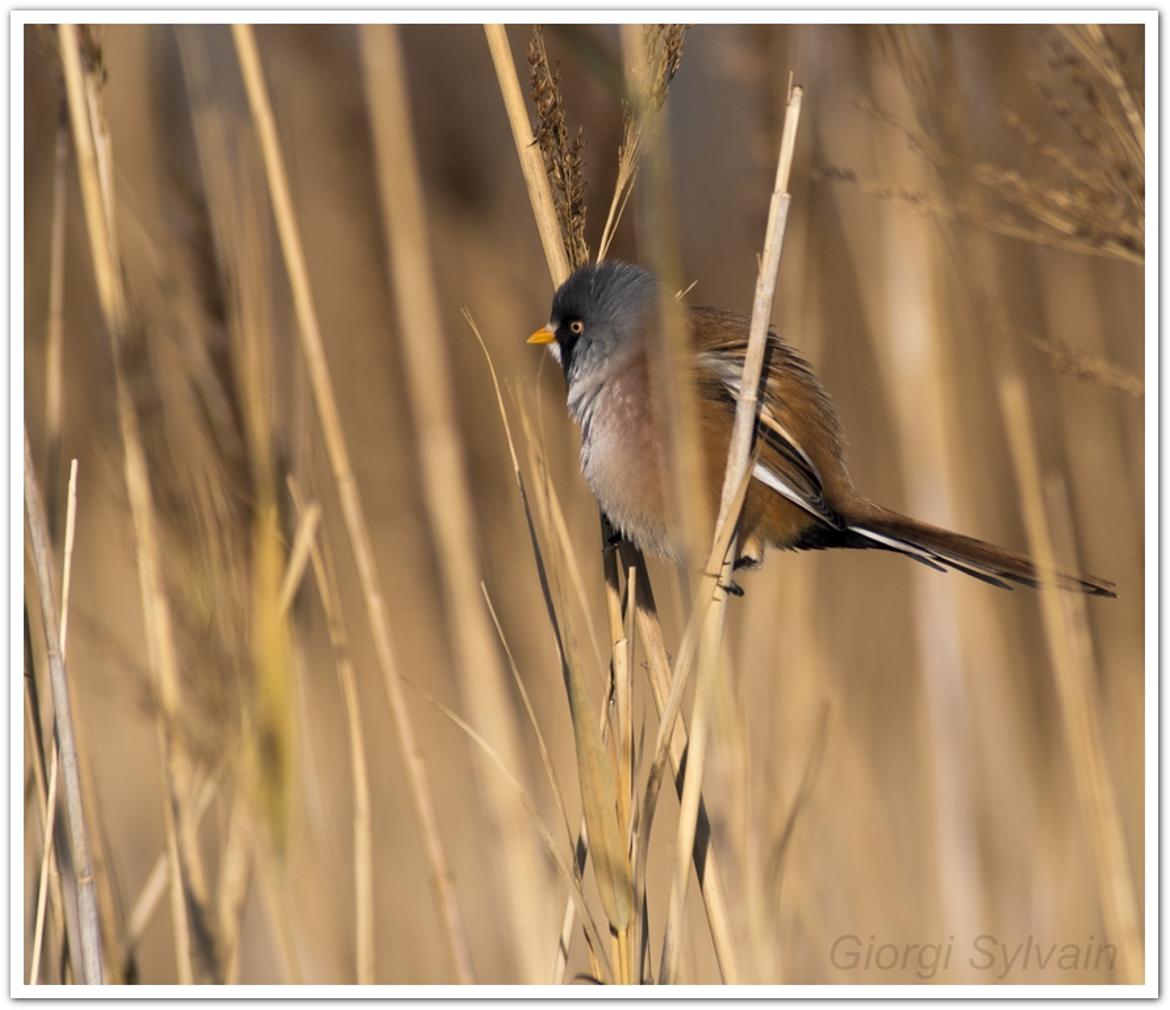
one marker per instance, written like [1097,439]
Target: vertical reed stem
[738,457]
[91,954]
[186,864]
[1071,653]
[313,348]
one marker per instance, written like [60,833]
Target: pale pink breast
[621,458]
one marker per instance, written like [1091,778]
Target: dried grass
[1090,201]
[563,157]
[978,783]
[312,346]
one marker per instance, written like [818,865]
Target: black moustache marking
[568,344]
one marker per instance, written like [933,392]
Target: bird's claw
[729,587]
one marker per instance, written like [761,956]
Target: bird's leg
[610,534]
[729,587]
[751,557]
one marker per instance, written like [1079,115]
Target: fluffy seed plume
[1087,196]
[662,53]
[563,156]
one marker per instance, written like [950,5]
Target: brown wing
[798,433]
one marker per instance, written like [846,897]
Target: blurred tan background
[890,761]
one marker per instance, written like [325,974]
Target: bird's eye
[577,327]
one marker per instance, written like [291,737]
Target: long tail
[881,528]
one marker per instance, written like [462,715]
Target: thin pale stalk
[738,458]
[51,794]
[659,675]
[363,841]
[55,330]
[669,709]
[545,755]
[186,865]
[445,484]
[233,884]
[674,743]
[546,836]
[1071,651]
[595,768]
[528,151]
[64,930]
[91,955]
[357,530]
[279,920]
[303,544]
[623,680]
[145,905]
[46,861]
[580,850]
[668,355]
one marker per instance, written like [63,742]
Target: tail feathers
[942,549]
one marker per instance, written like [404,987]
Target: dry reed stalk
[155,887]
[304,542]
[579,846]
[561,530]
[1130,129]
[363,836]
[911,307]
[86,896]
[668,718]
[271,659]
[738,458]
[1093,200]
[312,346]
[545,754]
[1085,367]
[280,921]
[674,743]
[238,850]
[563,157]
[63,935]
[621,631]
[604,774]
[1059,234]
[593,934]
[595,768]
[91,144]
[657,51]
[446,489]
[51,793]
[236,284]
[672,389]
[55,330]
[1071,649]
[50,822]
[528,153]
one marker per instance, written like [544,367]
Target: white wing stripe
[770,479]
[897,545]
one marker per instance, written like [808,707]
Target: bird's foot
[748,561]
[729,587]
[611,535]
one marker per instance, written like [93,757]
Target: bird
[800,495]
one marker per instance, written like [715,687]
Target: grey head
[598,318]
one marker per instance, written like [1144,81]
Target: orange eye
[577,327]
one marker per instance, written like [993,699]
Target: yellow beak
[545,335]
